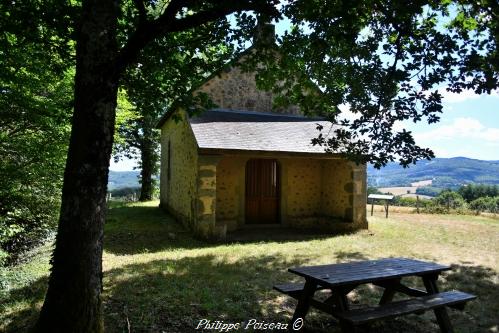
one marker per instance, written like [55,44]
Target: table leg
[339,295]
[387,296]
[443,320]
[389,291]
[304,301]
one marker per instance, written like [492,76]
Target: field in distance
[406,191]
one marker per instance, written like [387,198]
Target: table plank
[394,309]
[367,271]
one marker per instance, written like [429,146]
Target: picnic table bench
[342,278]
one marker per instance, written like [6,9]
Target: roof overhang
[268,154]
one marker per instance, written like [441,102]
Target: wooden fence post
[417,204]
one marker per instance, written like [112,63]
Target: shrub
[410,202]
[450,200]
[373,190]
[3,258]
[447,201]
[485,204]
[428,190]
[435,209]
[26,220]
[472,192]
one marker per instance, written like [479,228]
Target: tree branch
[166,23]
[142,11]
[220,9]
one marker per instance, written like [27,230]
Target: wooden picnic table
[387,273]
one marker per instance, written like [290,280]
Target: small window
[169,164]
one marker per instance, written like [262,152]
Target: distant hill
[444,172]
[121,179]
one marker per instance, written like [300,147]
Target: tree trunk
[73,302]
[148,162]
[146,188]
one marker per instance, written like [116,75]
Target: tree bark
[146,188]
[149,158]
[73,302]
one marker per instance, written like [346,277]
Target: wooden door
[262,191]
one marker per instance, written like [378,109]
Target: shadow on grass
[280,234]
[136,229]
[482,282]
[350,256]
[23,304]
[479,315]
[173,295]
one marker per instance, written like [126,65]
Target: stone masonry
[206,192]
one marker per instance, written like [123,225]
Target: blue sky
[469,126]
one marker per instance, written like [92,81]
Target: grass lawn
[158,279]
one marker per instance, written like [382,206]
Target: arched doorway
[262,191]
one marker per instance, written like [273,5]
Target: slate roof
[256,131]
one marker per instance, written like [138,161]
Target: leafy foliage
[450,200]
[475,191]
[383,62]
[35,98]
[373,190]
[485,204]
[428,190]
[165,73]
[410,202]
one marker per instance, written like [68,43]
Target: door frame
[279,207]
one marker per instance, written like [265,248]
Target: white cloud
[346,113]
[450,97]
[398,126]
[442,152]
[462,129]
[125,164]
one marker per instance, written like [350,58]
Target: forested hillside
[121,179]
[445,172]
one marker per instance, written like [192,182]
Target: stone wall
[236,90]
[344,193]
[315,193]
[337,180]
[230,187]
[206,226]
[178,194]
[327,194]
[302,187]
[206,193]
[359,194]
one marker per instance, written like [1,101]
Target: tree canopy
[384,61]
[164,73]
[35,111]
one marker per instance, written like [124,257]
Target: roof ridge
[258,113]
